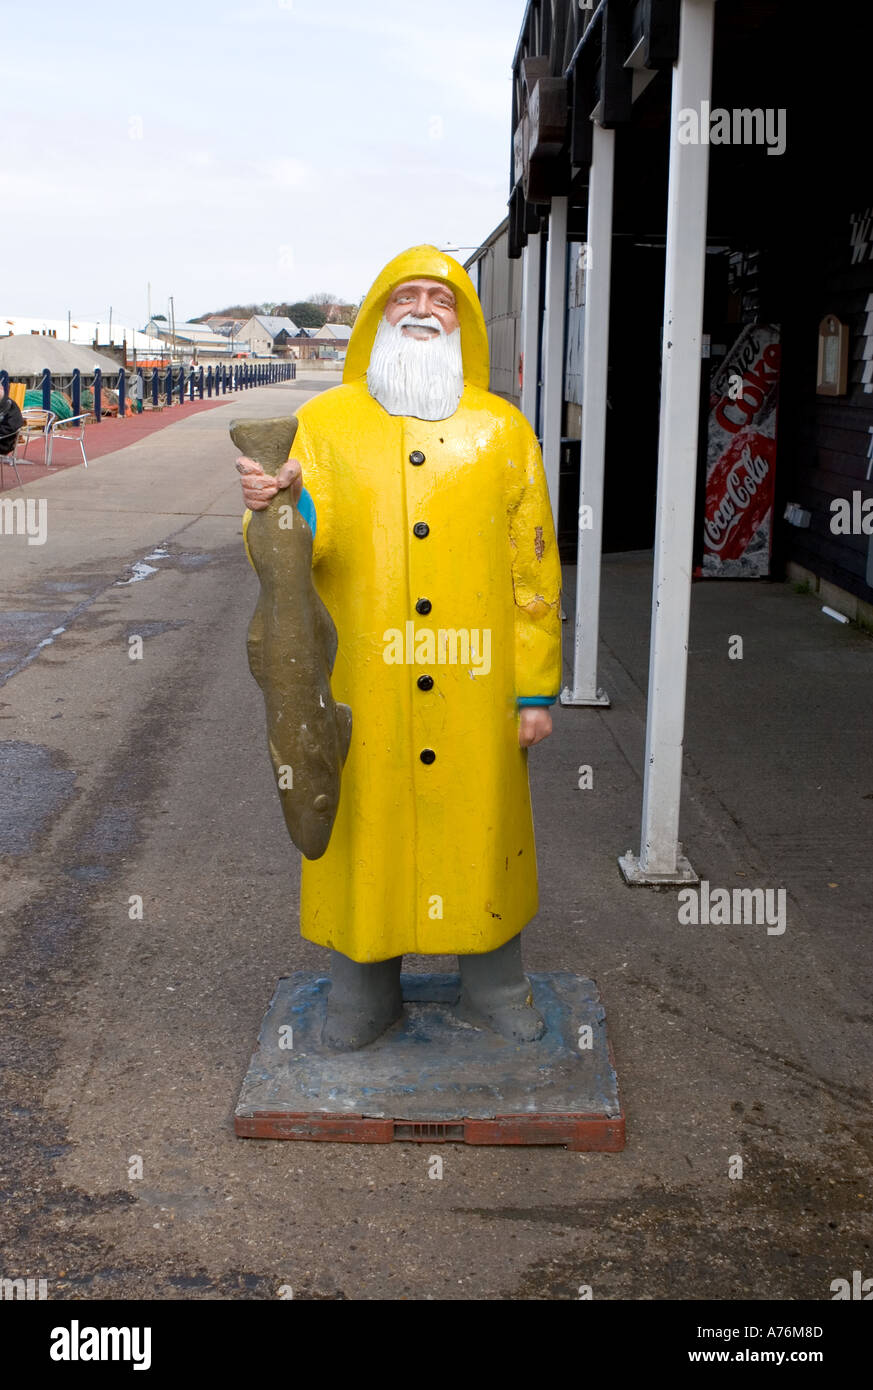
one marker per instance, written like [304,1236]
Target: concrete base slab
[433,1077]
[634,873]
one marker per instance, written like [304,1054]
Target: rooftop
[274,324]
[81,331]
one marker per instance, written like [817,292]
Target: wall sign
[833,357]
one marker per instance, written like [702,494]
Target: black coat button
[416,456]
[424,605]
[425,682]
[420,529]
[427,755]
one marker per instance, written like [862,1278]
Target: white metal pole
[530,327]
[661,859]
[595,360]
[553,347]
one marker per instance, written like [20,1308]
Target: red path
[106,438]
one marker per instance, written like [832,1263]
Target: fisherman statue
[432,605]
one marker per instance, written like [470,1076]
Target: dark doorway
[633,390]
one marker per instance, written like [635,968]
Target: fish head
[310,804]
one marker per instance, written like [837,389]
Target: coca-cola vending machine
[741,457]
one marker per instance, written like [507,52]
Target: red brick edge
[580,1133]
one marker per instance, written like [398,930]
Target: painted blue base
[431,1066]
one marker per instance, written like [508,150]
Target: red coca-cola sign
[739,495]
[741,456]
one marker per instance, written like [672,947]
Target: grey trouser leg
[495,977]
[496,993]
[364,1000]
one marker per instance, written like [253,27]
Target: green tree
[304,313]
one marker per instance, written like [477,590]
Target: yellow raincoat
[430,855]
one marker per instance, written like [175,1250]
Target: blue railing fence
[160,384]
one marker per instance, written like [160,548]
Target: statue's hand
[534,724]
[259,488]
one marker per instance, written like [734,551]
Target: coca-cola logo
[741,460]
[735,412]
[744,356]
[741,484]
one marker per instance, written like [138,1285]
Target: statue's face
[423,299]
[416,364]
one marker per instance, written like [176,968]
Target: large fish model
[291,647]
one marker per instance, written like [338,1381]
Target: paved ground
[123,1038]
[107,437]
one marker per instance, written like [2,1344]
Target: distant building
[303,346]
[88,333]
[225,324]
[498,285]
[333,339]
[269,335]
[197,340]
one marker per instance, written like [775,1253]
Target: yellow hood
[422,262]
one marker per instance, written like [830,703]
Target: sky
[239,151]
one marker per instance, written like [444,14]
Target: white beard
[413,376]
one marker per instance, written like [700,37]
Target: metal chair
[58,431]
[12,458]
[37,424]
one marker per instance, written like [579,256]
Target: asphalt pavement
[125,1038]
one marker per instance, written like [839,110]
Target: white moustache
[410,321]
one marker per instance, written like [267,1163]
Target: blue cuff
[525,700]
[306,508]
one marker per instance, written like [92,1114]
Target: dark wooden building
[789,243]
[690,203]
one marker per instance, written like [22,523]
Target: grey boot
[496,994]
[364,1000]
